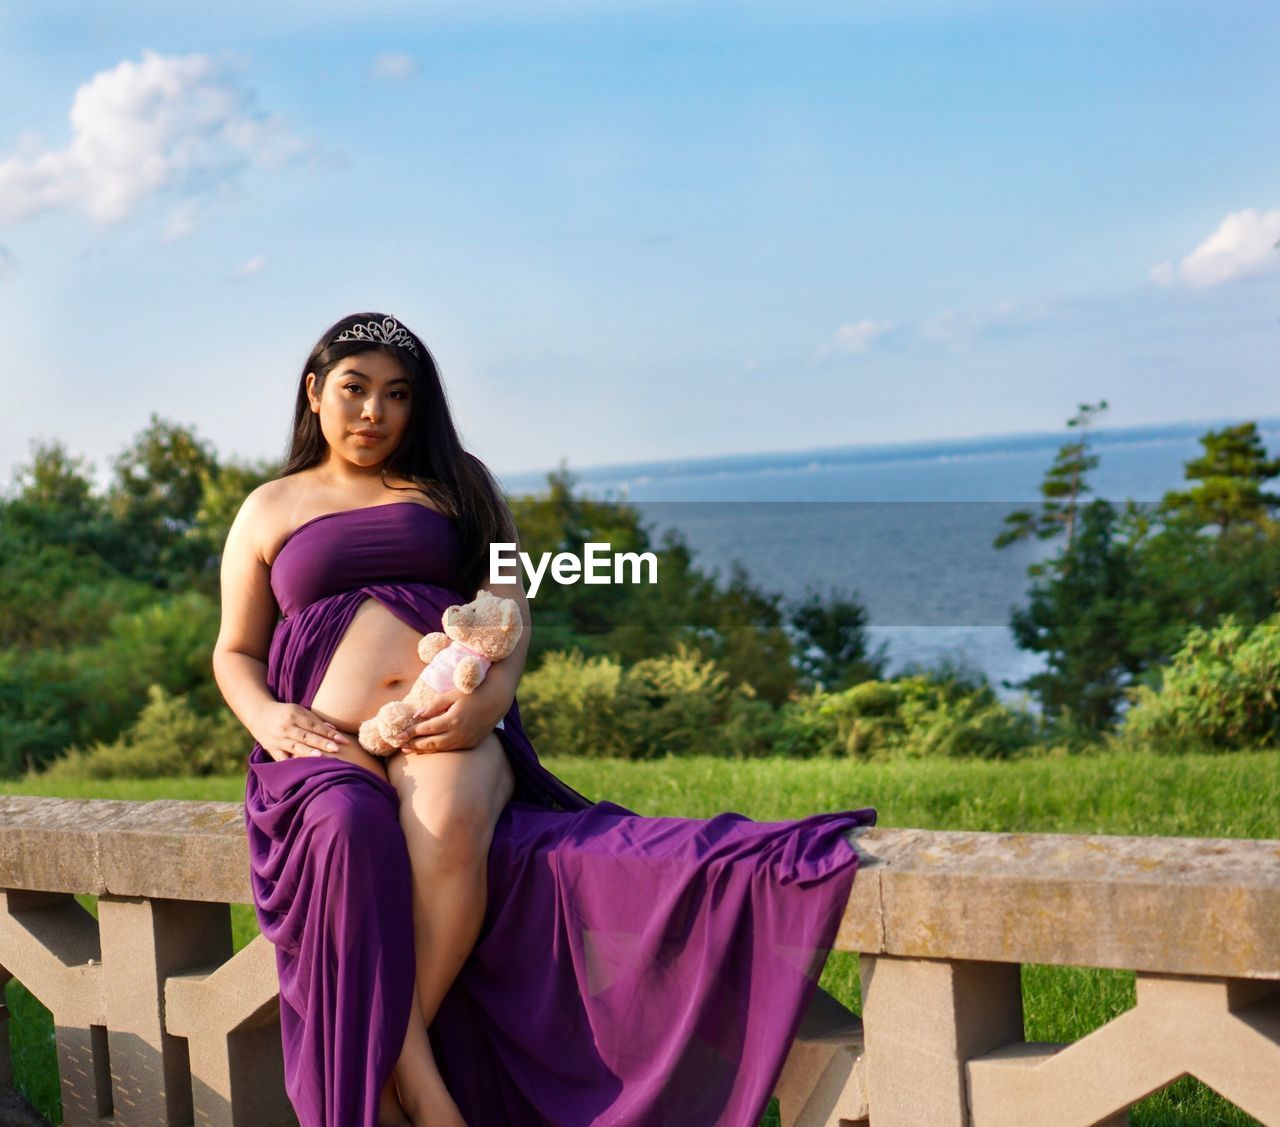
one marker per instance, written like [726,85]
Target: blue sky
[632,231]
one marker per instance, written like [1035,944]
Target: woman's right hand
[286,730]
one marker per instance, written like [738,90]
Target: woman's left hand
[456,721]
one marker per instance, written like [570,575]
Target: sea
[906,529]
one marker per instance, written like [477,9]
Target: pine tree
[831,640]
[1084,615]
[1230,471]
[1062,488]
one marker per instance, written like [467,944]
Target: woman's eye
[355,388]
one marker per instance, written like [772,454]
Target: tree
[1230,472]
[223,492]
[741,629]
[155,497]
[1080,616]
[831,640]
[54,503]
[54,479]
[58,548]
[161,476]
[737,626]
[1062,487]
[615,619]
[1113,606]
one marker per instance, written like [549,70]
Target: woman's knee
[448,831]
[355,845]
[352,814]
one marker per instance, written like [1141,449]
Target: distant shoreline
[1021,443]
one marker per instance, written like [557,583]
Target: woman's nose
[372,410]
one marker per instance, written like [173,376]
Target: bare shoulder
[261,520]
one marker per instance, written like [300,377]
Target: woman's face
[368,392]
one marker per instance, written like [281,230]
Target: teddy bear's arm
[432,644]
[373,738]
[468,674]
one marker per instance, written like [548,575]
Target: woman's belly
[376,661]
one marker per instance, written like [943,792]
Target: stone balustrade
[157,1022]
[944,920]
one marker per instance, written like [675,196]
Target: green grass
[1193,796]
[220,789]
[1235,795]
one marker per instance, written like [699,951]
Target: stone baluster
[49,943]
[230,1016]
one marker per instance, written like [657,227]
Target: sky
[631,231]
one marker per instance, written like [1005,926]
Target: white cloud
[955,330]
[950,328]
[857,337]
[394,65]
[186,218]
[959,329]
[1243,245]
[253,266]
[167,124]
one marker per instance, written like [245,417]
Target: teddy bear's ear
[510,615]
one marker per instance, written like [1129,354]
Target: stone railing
[944,920]
[158,1022]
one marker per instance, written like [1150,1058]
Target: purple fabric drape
[629,970]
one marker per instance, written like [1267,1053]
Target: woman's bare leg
[449,802]
[415,1082]
[390,1113]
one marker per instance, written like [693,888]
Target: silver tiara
[386,331]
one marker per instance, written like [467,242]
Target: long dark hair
[430,454]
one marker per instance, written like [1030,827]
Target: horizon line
[903,444]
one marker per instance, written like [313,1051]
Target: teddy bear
[477,634]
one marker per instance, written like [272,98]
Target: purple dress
[629,970]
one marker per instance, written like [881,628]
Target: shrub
[907,717]
[169,738]
[683,704]
[41,707]
[972,723]
[1218,693]
[169,643]
[569,705]
[52,698]
[54,597]
[860,721]
[750,727]
[674,705]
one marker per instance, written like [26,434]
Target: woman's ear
[312,398]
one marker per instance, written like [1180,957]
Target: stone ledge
[202,847]
[166,848]
[1181,905]
[51,844]
[1206,906]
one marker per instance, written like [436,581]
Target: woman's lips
[370,439]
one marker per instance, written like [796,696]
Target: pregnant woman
[461,937]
